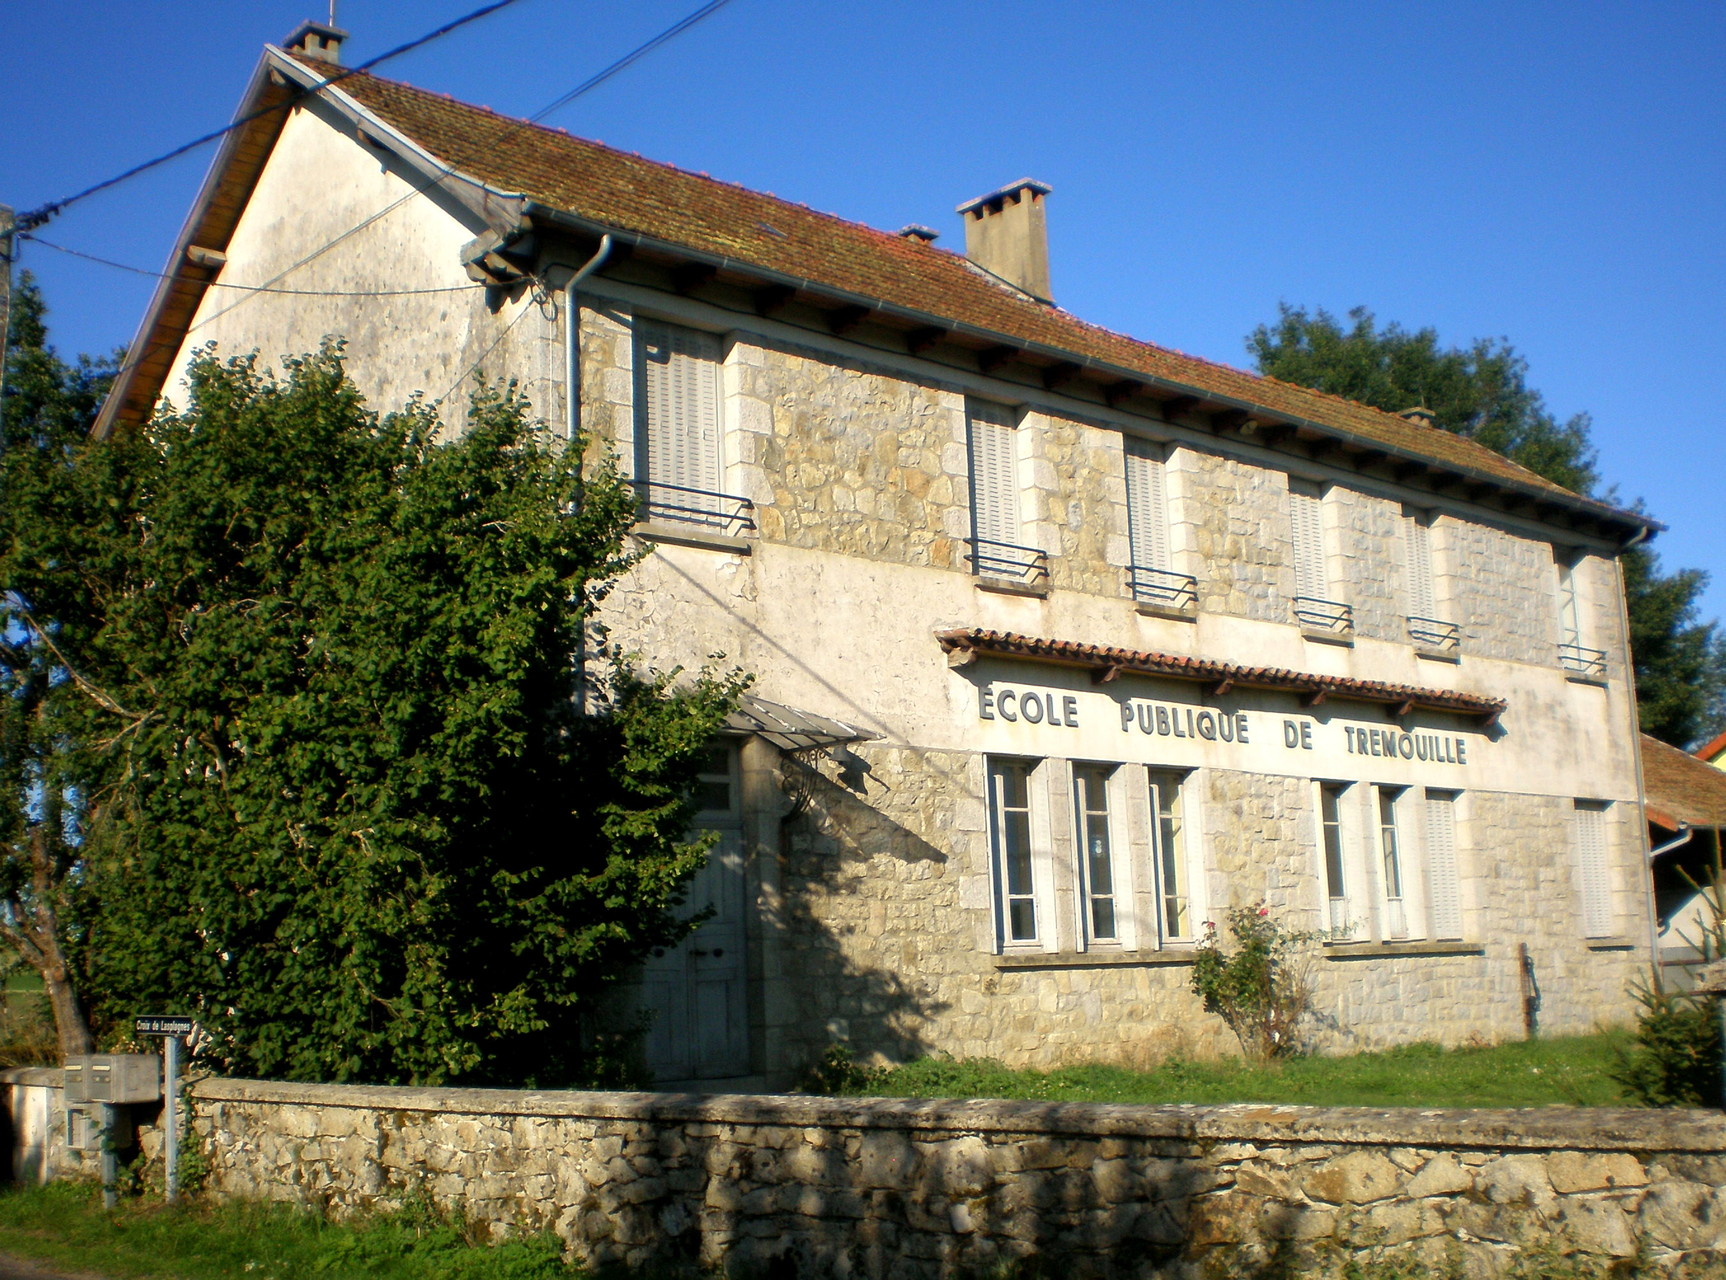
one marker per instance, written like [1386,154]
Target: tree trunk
[69,1022]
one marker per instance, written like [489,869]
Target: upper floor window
[1314,608]
[1573,654]
[1428,631]
[679,445]
[997,535]
[1152,580]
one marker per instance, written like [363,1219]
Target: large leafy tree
[1481,390]
[354,798]
[44,766]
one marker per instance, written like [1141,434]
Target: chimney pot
[1007,236]
[917,231]
[1420,415]
[317,40]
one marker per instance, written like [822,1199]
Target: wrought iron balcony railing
[1163,587]
[1582,661]
[1009,560]
[677,504]
[1324,615]
[1430,633]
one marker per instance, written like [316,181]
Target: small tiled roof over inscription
[1107,661]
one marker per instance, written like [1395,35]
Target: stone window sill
[690,535]
[1367,950]
[1576,677]
[1171,612]
[1094,959]
[1452,656]
[1611,944]
[1344,639]
[1013,587]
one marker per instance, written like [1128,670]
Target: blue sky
[1550,173]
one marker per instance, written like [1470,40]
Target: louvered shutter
[1595,877]
[994,477]
[1147,518]
[1420,595]
[1443,894]
[1306,510]
[678,436]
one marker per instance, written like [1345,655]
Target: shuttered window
[1443,893]
[1421,603]
[1306,512]
[1147,514]
[994,473]
[1592,872]
[677,440]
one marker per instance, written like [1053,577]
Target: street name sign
[162,1024]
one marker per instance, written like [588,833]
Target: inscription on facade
[1150,717]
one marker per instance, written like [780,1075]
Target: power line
[250,288]
[38,217]
[447,169]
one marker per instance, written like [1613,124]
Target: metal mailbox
[113,1078]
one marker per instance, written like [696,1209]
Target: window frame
[1001,872]
[1158,783]
[1335,871]
[1092,781]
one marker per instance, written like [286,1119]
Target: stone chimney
[1006,235]
[317,40]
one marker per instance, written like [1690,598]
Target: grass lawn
[64,1226]
[1569,1071]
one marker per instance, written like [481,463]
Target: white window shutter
[1593,870]
[1306,511]
[994,475]
[1147,514]
[1420,594]
[1443,893]
[679,440]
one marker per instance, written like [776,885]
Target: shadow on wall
[890,1202]
[858,890]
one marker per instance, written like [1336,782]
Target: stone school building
[1064,643]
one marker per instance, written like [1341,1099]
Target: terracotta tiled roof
[1679,786]
[625,192]
[1105,659]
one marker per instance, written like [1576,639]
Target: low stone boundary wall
[900,1188]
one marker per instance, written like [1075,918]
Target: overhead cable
[37,217]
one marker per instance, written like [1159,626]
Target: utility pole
[7,222]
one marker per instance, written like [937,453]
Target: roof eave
[1629,522]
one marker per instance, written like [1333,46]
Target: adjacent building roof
[931,294]
[1107,662]
[1679,788]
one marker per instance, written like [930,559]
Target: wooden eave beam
[1106,674]
[842,320]
[773,298]
[1059,375]
[1314,697]
[687,277]
[1231,419]
[1174,406]
[992,358]
[1368,458]
[917,341]
[1275,434]
[1117,392]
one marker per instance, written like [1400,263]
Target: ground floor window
[1169,853]
[1010,844]
[1593,870]
[1391,856]
[1444,897]
[1336,878]
[1097,852]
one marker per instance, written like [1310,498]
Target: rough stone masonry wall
[904,1188]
